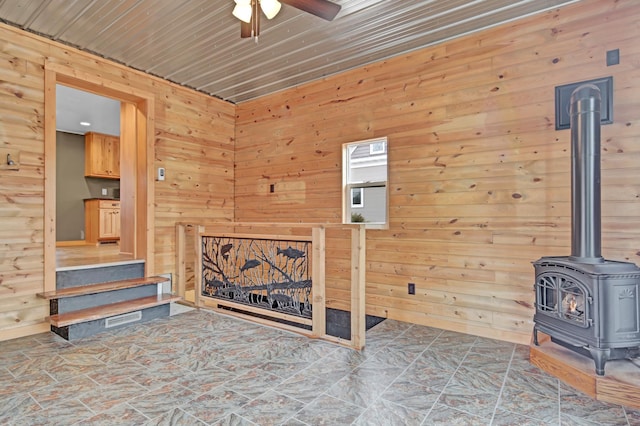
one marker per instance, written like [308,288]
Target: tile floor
[200,368]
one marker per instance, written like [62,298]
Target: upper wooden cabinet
[102,155]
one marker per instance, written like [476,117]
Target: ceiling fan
[248,12]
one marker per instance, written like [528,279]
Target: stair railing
[279,274]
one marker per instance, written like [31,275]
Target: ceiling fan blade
[321,8]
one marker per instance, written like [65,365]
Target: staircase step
[100,287]
[105,311]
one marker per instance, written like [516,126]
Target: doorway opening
[136,154]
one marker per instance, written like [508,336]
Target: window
[377,148]
[356,197]
[364,176]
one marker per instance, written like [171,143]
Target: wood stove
[584,302]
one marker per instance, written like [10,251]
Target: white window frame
[347,186]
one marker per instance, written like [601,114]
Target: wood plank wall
[479,177]
[193,141]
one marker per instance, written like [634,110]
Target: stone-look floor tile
[175,417]
[122,414]
[579,409]
[326,410]
[350,357]
[390,327]
[15,406]
[235,420]
[26,383]
[9,359]
[427,376]
[633,416]
[215,405]
[206,380]
[107,396]
[162,400]
[271,408]
[158,374]
[507,418]
[472,395]
[493,348]
[46,349]
[393,356]
[305,385]
[450,341]
[490,372]
[254,383]
[73,365]
[421,332]
[443,415]
[5,376]
[357,389]
[27,365]
[294,422]
[328,368]
[438,360]
[386,413]
[482,362]
[115,372]
[531,405]
[84,348]
[54,393]
[201,360]
[64,412]
[285,367]
[382,373]
[20,344]
[540,384]
[411,395]
[216,356]
[121,352]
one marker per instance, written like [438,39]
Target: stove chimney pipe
[585,175]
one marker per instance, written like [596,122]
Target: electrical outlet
[411,288]
[104,191]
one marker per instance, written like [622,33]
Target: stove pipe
[585,175]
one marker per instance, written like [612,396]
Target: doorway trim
[137,131]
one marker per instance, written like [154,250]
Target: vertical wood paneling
[193,141]
[479,178]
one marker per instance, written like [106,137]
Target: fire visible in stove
[573,306]
[553,287]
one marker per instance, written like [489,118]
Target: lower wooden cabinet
[101,220]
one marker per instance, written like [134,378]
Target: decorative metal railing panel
[265,273]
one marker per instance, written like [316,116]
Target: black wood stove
[584,302]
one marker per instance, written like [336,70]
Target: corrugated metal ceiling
[196,43]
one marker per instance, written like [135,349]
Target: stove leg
[535,336]
[600,357]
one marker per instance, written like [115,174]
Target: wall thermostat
[160,173]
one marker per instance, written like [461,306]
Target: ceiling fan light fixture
[243,11]
[270,8]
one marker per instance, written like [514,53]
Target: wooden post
[318,299]
[197,267]
[50,181]
[358,286]
[180,280]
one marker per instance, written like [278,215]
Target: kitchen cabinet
[101,220]
[102,155]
